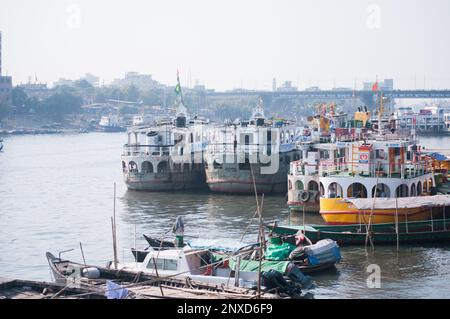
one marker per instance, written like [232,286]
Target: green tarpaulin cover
[279,252]
[253,265]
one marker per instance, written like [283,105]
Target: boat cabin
[192,263]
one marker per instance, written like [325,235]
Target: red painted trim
[368,213]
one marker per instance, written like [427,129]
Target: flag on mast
[375,86]
[178,87]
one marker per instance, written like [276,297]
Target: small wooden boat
[143,284]
[27,289]
[430,231]
[156,244]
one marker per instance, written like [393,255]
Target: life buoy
[303,196]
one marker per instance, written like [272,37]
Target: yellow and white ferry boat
[373,176]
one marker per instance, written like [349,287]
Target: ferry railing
[300,168]
[232,148]
[374,169]
[139,149]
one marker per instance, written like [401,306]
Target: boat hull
[417,232]
[233,179]
[336,211]
[308,207]
[242,186]
[170,181]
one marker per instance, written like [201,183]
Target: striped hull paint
[335,211]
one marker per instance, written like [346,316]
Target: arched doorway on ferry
[419,188]
[147,167]
[430,185]
[402,191]
[356,190]
[383,191]
[313,186]
[162,167]
[132,167]
[335,190]
[413,190]
[299,185]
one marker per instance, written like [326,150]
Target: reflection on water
[57,191]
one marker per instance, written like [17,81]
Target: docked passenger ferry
[361,181]
[326,131]
[256,152]
[167,156]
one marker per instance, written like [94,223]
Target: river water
[57,191]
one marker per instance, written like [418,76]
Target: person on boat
[178,231]
[301,241]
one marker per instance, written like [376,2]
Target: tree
[5,109]
[20,99]
[84,87]
[132,93]
[61,103]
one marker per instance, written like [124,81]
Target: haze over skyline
[230,44]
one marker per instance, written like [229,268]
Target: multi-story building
[141,81]
[5,82]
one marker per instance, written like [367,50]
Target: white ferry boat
[244,153]
[329,133]
[359,180]
[167,156]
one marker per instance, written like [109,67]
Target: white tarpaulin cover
[403,202]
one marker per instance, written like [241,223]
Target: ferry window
[379,154]
[324,154]
[299,185]
[159,263]
[170,264]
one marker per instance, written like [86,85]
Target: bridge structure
[366,97]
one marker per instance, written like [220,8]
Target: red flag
[375,87]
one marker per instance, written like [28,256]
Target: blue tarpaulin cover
[115,291]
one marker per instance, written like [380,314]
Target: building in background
[386,85]
[92,79]
[5,82]
[143,82]
[38,90]
[286,87]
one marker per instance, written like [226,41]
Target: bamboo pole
[157,276]
[369,226]
[82,253]
[114,243]
[396,223]
[113,221]
[260,237]
[445,221]
[304,229]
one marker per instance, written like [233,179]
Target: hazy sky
[228,43]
